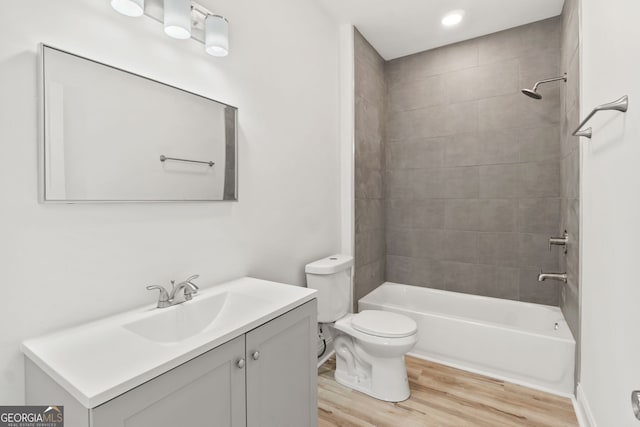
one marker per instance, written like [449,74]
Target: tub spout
[561,277]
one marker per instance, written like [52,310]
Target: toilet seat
[384,324]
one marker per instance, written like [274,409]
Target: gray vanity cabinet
[264,378]
[282,372]
[206,391]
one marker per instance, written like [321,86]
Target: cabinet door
[206,391]
[281,376]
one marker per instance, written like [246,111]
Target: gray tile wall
[370,91]
[472,172]
[570,165]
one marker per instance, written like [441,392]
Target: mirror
[114,136]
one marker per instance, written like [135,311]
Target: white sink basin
[183,321]
[179,321]
[98,361]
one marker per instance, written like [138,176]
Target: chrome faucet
[561,277]
[167,299]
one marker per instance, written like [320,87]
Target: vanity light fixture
[216,35]
[453,18]
[133,8]
[177,18]
[183,19]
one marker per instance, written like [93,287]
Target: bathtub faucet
[561,277]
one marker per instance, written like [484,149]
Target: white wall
[65,264]
[611,213]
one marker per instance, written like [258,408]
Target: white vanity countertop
[98,361]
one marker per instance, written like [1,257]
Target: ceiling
[401,27]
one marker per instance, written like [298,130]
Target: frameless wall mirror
[114,136]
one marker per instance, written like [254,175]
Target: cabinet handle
[256,355]
[241,363]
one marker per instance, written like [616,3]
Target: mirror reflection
[111,135]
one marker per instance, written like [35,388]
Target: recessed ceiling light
[452,18]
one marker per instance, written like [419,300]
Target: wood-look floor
[442,397]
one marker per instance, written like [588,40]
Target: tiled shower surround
[370,90]
[472,172]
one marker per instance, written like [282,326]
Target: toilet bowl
[370,346]
[372,362]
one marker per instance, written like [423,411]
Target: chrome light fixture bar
[204,26]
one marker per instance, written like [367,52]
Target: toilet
[370,345]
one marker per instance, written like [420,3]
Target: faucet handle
[559,241]
[189,281]
[163,298]
[162,290]
[190,289]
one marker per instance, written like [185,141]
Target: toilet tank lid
[329,265]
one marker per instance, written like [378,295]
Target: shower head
[533,93]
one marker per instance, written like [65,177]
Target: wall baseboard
[583,411]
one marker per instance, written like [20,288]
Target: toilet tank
[331,277]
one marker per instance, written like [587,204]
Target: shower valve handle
[559,241]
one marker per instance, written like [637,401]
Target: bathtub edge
[490,374]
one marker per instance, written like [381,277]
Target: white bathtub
[528,344]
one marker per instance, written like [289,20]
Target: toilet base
[365,387]
[384,378]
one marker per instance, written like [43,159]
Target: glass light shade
[132,8]
[216,35]
[177,18]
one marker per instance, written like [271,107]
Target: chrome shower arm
[533,93]
[554,79]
